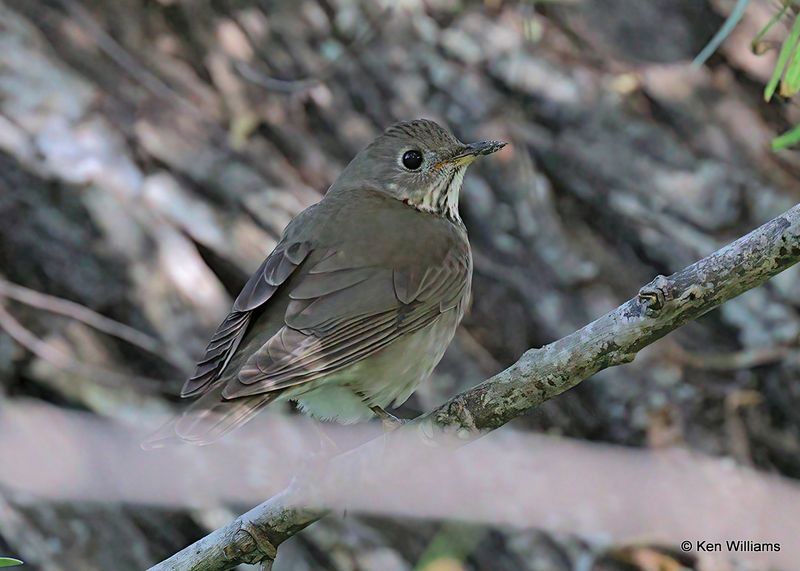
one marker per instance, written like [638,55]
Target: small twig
[117,53]
[273,83]
[732,361]
[128,63]
[93,319]
[300,84]
[61,360]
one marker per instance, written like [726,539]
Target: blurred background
[151,152]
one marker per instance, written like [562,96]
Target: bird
[357,302]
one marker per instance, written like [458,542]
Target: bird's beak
[472,151]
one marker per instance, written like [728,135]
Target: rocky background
[151,152]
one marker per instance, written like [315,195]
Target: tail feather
[208,419]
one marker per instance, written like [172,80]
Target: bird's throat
[442,199]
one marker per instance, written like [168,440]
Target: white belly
[386,378]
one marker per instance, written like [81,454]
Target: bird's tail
[208,419]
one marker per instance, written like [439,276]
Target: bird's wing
[341,314]
[273,272]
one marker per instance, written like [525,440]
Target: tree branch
[663,305]
[67,308]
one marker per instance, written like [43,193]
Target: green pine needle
[788,139]
[774,20]
[783,59]
[724,32]
[791,79]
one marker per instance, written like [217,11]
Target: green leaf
[9,562]
[791,79]
[774,20]
[788,139]
[724,32]
[786,51]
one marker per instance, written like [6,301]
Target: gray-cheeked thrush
[358,301]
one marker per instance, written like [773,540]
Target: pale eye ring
[412,159]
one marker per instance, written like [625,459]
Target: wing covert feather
[345,314]
[273,272]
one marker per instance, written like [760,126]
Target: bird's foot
[328,447]
[390,422]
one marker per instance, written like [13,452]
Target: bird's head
[418,162]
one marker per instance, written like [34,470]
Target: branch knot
[655,295]
[251,545]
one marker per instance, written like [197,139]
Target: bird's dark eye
[412,160]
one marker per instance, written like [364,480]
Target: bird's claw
[390,422]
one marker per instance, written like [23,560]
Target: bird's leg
[327,445]
[390,421]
